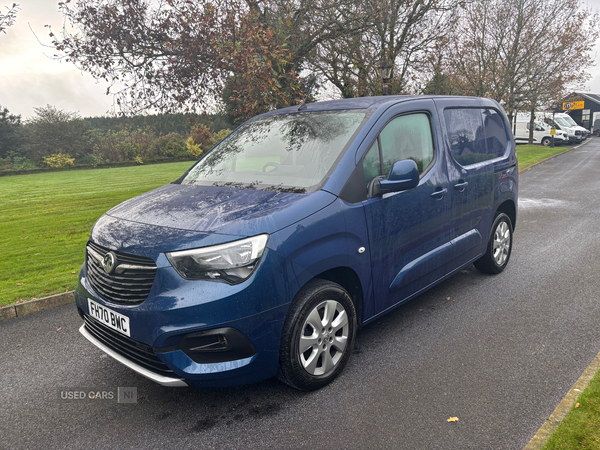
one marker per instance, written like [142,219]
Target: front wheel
[318,336]
[499,246]
[546,141]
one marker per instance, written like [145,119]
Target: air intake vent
[141,354]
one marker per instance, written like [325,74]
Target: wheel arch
[508,207]
[349,280]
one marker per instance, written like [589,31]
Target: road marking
[563,407]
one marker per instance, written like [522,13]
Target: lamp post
[555,106]
[385,70]
[516,99]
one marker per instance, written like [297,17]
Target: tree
[522,52]
[8,19]
[177,54]
[405,32]
[10,133]
[54,131]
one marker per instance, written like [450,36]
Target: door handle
[439,193]
[461,186]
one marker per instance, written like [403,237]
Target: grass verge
[45,221]
[529,154]
[580,429]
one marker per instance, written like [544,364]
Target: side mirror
[404,175]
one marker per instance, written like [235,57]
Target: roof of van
[358,103]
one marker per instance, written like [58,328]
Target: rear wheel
[318,336]
[499,246]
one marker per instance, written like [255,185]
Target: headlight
[232,262]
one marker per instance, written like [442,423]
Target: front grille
[131,280]
[577,132]
[135,351]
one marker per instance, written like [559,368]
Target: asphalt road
[499,355]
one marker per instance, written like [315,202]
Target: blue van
[301,226]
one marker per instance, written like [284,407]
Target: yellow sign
[573,105]
[552,131]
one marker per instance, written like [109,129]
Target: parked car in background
[302,225]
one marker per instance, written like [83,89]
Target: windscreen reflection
[288,152]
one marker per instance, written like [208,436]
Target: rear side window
[475,134]
[495,133]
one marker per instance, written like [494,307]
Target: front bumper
[157,378]
[177,308]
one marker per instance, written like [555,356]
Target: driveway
[498,352]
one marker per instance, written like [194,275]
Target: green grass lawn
[581,428]
[45,218]
[45,221]
[529,154]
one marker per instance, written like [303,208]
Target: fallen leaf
[20,284]
[576,405]
[73,272]
[452,419]
[447,298]
[59,329]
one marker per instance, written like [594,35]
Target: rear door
[478,151]
[408,231]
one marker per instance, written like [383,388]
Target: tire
[546,141]
[499,246]
[318,336]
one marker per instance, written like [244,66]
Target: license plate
[108,317]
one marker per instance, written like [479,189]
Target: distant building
[584,116]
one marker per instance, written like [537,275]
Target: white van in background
[584,131]
[541,133]
[596,124]
[575,135]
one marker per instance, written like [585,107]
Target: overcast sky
[30,78]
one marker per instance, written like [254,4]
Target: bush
[87,160]
[171,146]
[218,137]
[193,149]
[202,136]
[23,164]
[59,160]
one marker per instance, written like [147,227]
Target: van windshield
[562,122]
[570,121]
[291,152]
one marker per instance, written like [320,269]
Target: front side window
[405,137]
[284,152]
